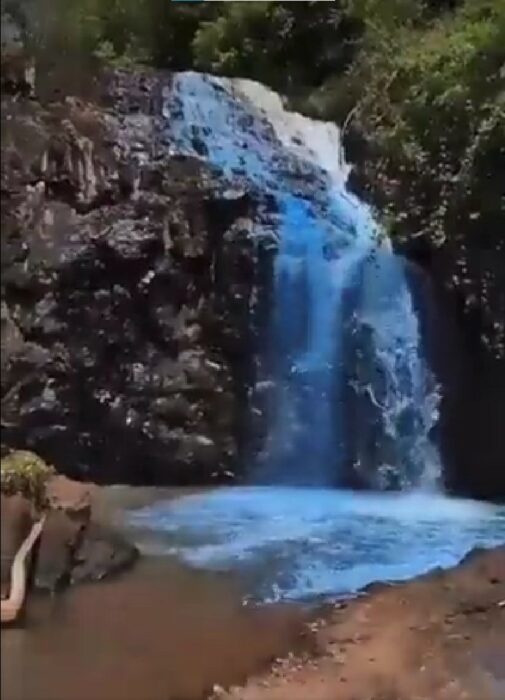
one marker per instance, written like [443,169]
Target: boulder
[101,553]
[73,548]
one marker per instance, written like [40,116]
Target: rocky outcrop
[470,373]
[72,548]
[100,554]
[472,379]
[131,294]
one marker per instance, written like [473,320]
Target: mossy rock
[25,473]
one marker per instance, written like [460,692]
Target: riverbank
[438,637]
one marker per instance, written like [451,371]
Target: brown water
[160,632]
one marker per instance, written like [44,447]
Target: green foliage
[121,32]
[25,473]
[80,26]
[428,103]
[419,85]
[290,47]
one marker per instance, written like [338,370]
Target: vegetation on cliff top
[419,86]
[430,129]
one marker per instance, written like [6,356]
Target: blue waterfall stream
[327,246]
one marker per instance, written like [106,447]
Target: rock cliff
[133,291]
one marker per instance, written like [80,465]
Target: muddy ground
[439,637]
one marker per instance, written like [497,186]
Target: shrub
[25,473]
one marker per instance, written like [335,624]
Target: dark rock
[101,554]
[103,229]
[176,408]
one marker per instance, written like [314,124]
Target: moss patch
[25,473]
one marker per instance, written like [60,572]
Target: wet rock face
[472,387]
[132,299]
[471,426]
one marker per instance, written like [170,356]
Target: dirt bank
[439,637]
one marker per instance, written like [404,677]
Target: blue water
[305,438]
[298,543]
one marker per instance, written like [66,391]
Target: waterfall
[354,397]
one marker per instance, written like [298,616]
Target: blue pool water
[299,543]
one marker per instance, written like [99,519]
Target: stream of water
[344,330]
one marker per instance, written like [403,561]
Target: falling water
[336,286]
